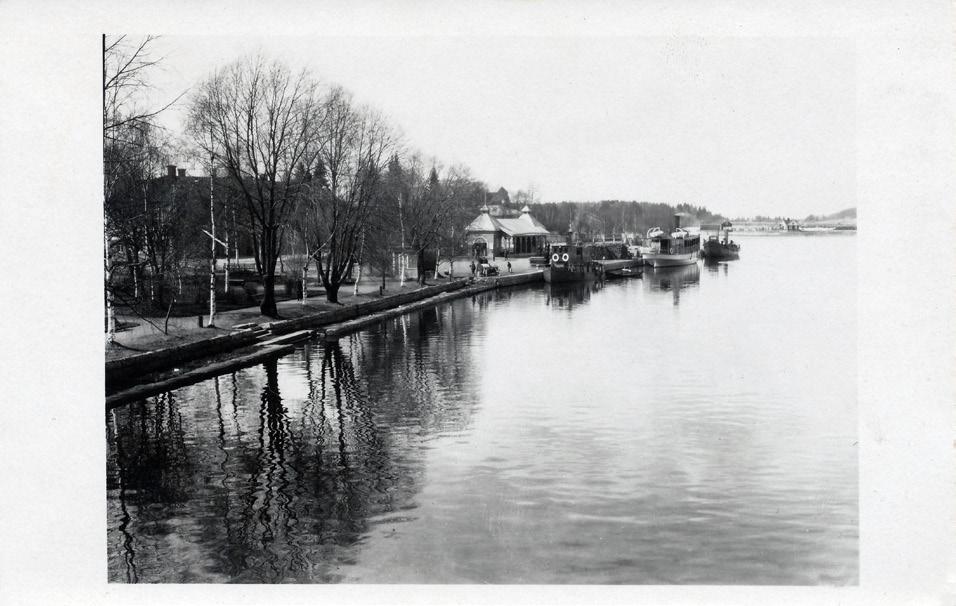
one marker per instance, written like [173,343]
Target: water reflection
[672,279]
[443,447]
[714,266]
[566,295]
[283,487]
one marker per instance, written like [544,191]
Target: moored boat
[673,249]
[623,268]
[717,249]
[571,263]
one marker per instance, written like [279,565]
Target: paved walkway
[147,334]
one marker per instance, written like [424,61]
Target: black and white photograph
[516,302]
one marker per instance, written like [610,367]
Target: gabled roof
[525,225]
[534,221]
[522,226]
[483,222]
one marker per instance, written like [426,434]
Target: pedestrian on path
[509,267]
[472,269]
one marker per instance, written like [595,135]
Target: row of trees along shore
[299,177]
[297,170]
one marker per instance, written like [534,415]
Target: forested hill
[612,217]
[843,215]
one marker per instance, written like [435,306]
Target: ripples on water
[694,426]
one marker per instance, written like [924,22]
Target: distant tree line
[849,213]
[611,218]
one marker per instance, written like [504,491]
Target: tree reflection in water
[208,484]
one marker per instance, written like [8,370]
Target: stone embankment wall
[334,331]
[339,320]
[168,357]
[354,311]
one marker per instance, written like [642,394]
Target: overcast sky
[743,126]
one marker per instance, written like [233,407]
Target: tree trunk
[157,289]
[212,247]
[268,253]
[359,277]
[225,279]
[420,263]
[212,290]
[305,287]
[305,275]
[110,311]
[332,293]
[268,306]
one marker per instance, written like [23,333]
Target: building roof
[527,215]
[522,226]
[483,222]
[525,225]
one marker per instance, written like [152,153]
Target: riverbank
[147,349]
[137,335]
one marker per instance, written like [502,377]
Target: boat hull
[557,274]
[717,251]
[621,268]
[667,260]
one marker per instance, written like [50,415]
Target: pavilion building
[521,235]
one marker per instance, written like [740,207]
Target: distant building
[498,204]
[522,235]
[789,225]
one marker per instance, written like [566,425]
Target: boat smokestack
[570,237]
[677,221]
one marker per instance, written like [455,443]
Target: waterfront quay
[202,351]
[548,433]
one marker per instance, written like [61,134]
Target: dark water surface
[695,426]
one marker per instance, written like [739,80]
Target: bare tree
[126,66]
[154,219]
[427,205]
[260,121]
[465,196]
[354,144]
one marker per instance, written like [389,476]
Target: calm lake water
[697,425]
